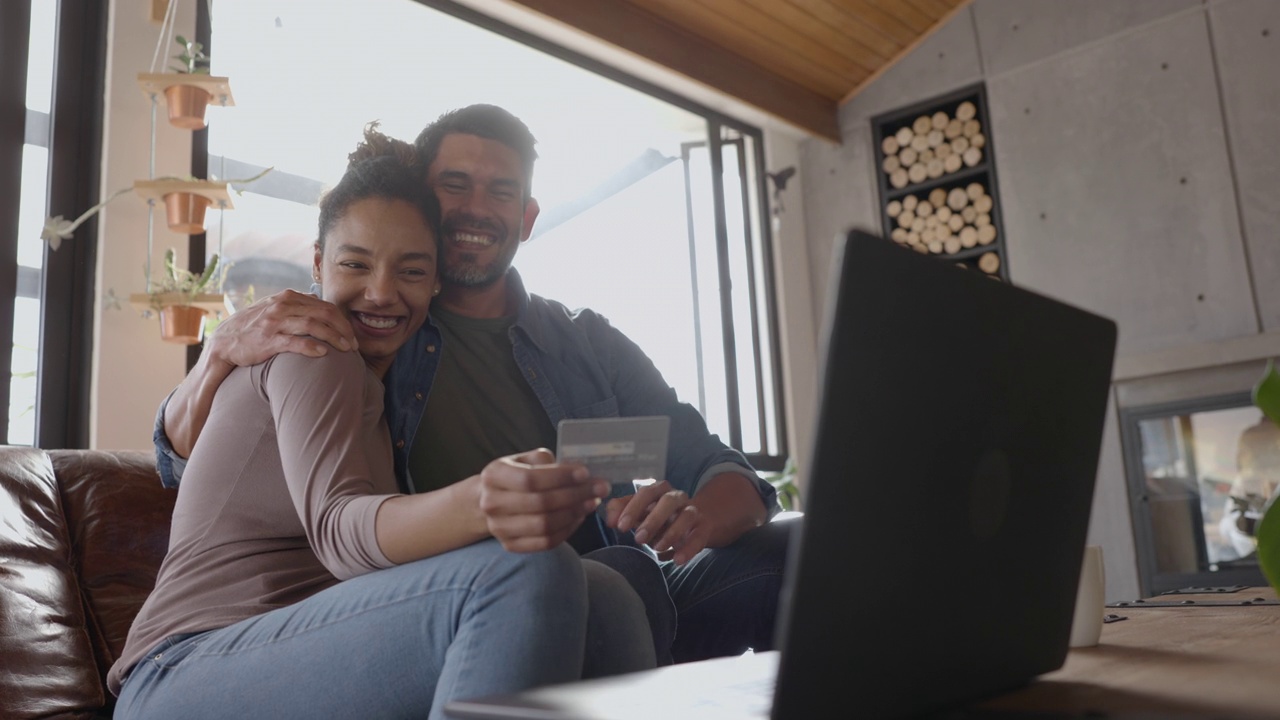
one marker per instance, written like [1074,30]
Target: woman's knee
[552,576]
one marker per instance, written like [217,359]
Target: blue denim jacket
[578,365]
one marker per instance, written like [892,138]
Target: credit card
[617,449]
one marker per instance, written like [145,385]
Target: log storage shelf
[937,181]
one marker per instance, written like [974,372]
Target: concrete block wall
[1139,178]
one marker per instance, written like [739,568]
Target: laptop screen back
[958,432]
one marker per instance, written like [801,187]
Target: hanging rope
[166,29]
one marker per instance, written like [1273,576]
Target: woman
[298,583]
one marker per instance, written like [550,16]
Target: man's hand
[531,503]
[285,322]
[678,527]
[663,518]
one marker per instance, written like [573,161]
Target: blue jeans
[395,643]
[725,599]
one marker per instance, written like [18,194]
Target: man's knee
[770,541]
[619,638]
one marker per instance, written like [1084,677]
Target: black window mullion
[197,244]
[771,306]
[753,307]
[15,38]
[726,284]
[67,295]
[686,150]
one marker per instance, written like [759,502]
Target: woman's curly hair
[380,167]
[377,144]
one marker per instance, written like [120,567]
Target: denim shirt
[578,365]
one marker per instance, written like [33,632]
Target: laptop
[948,498]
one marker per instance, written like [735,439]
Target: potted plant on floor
[1266,396]
[183,299]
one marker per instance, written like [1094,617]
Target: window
[48,166]
[651,205]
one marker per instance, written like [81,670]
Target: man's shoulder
[553,311]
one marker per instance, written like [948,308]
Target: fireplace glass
[1199,475]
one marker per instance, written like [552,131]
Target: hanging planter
[184,212]
[182,324]
[181,300]
[187,96]
[185,201]
[187,105]
[188,90]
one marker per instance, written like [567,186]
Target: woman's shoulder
[332,367]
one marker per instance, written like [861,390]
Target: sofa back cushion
[118,515]
[48,660]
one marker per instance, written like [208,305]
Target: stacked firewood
[933,146]
[946,221]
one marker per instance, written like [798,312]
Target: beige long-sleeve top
[278,501]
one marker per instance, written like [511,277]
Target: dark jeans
[725,600]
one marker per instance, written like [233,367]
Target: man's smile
[474,239]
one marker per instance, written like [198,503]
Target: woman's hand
[531,503]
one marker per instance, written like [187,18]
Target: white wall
[797,316]
[133,369]
[1138,176]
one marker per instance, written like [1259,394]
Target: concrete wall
[1138,179]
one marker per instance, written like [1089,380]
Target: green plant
[785,483]
[1266,395]
[191,60]
[184,282]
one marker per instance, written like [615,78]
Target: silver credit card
[619,450]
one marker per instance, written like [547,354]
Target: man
[503,368]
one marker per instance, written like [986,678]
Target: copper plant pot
[187,104]
[185,212]
[182,324]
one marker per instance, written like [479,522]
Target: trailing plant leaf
[1266,394]
[209,269]
[1267,533]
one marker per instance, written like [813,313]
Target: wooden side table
[1205,655]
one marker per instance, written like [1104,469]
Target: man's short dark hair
[487,121]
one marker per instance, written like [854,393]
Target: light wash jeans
[395,643]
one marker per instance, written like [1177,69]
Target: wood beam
[636,31]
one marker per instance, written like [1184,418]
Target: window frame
[717,123]
[72,132]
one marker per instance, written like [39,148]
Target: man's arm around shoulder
[285,322]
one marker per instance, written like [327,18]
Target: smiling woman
[298,551]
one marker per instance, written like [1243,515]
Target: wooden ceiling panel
[806,27]
[811,70]
[855,29]
[796,59]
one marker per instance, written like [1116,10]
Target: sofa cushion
[118,515]
[49,667]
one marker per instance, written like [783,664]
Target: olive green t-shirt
[480,407]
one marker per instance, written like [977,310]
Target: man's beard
[467,272]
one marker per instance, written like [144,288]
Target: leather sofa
[82,534]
